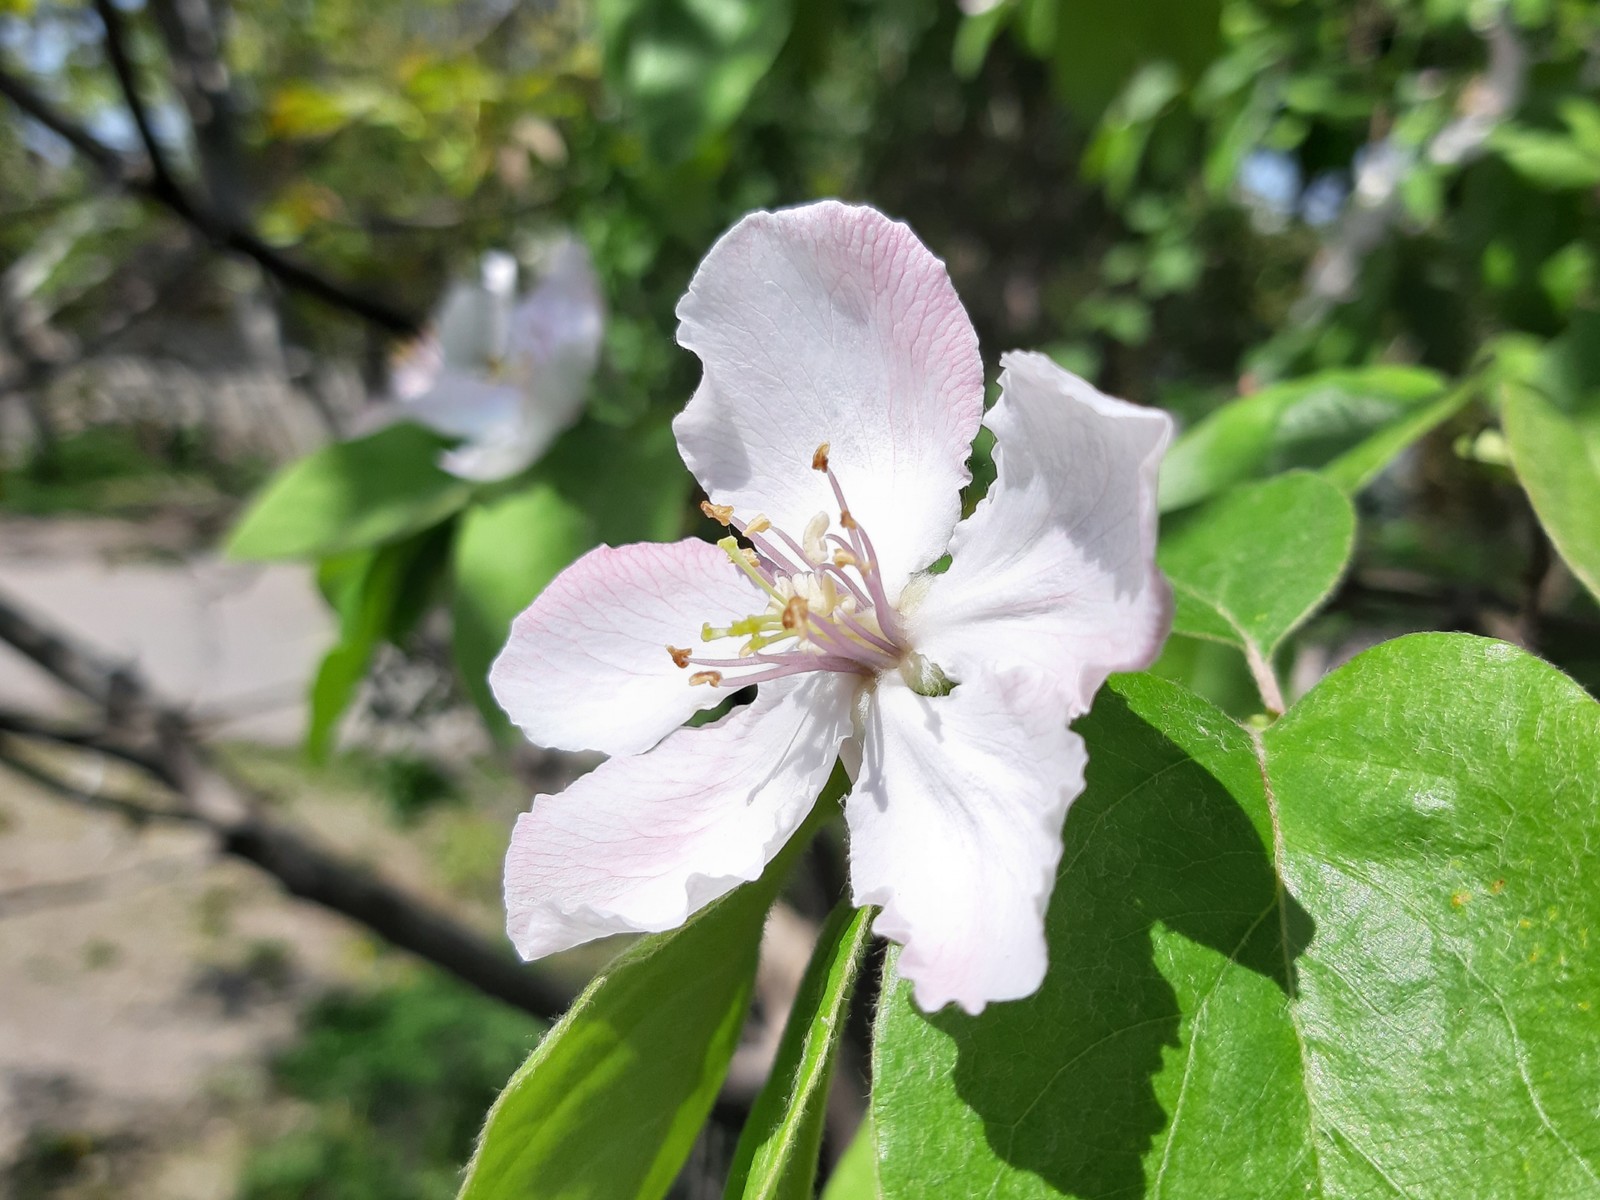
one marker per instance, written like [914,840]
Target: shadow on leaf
[1064,1081]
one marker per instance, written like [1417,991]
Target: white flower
[504,375]
[831,429]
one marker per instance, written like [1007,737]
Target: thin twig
[122,66]
[146,732]
[139,177]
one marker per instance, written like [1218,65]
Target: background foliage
[1353,246]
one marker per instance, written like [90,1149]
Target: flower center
[826,607]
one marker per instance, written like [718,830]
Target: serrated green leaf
[1366,413]
[1556,455]
[776,1158]
[349,496]
[610,1102]
[1346,958]
[506,550]
[1253,564]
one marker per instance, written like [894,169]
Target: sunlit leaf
[776,1158]
[1253,564]
[349,496]
[1345,957]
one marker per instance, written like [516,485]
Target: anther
[720,513]
[758,523]
[843,558]
[714,678]
[846,520]
[795,612]
[681,657]
[819,460]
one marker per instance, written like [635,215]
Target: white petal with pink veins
[1056,567]
[644,841]
[587,665]
[831,323]
[955,829]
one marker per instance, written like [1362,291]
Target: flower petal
[955,829]
[475,318]
[1056,567]
[831,323]
[555,340]
[587,667]
[643,841]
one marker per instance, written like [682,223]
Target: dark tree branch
[157,737]
[139,177]
[122,66]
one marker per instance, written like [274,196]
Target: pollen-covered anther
[714,678]
[846,520]
[795,612]
[722,514]
[843,558]
[680,657]
[819,459]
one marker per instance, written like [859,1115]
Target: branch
[140,178]
[143,731]
[122,66]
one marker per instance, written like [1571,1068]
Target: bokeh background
[252,805]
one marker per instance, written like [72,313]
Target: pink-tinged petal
[1056,568]
[587,665]
[831,323]
[458,404]
[955,830]
[555,340]
[642,842]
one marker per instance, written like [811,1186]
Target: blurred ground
[146,981]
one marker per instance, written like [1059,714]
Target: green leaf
[1363,414]
[1550,160]
[1347,957]
[777,1154]
[686,68]
[1358,466]
[507,549]
[1249,567]
[856,1176]
[1100,44]
[610,1102]
[379,595]
[1556,455]
[349,496]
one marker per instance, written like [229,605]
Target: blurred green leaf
[611,1101]
[1100,45]
[349,496]
[685,68]
[507,549]
[1557,457]
[1253,564]
[1308,422]
[1344,957]
[379,595]
[776,1158]
[1362,463]
[856,1176]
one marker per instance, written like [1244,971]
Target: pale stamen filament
[826,611]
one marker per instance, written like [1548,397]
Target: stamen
[819,460]
[680,657]
[714,678]
[722,514]
[843,558]
[758,524]
[795,613]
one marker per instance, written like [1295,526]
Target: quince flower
[841,392]
[505,375]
